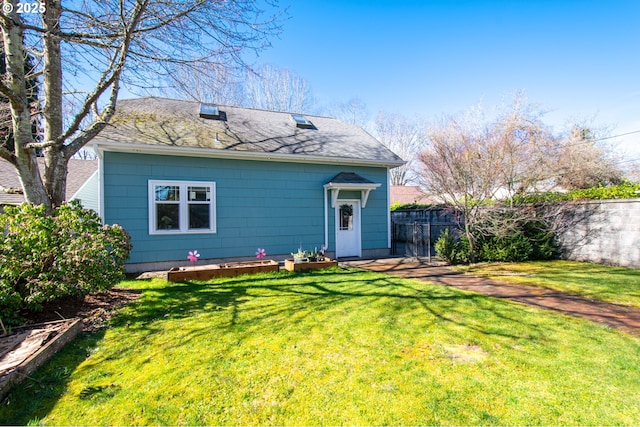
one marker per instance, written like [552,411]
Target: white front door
[348,238]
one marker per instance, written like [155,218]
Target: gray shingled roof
[163,122]
[11,189]
[349,178]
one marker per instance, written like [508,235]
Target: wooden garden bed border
[229,269]
[50,348]
[290,265]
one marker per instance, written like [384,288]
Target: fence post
[393,237]
[415,239]
[429,240]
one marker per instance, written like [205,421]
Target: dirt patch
[95,309]
[465,353]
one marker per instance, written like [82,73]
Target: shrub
[448,247]
[626,190]
[10,303]
[515,247]
[397,206]
[542,239]
[45,257]
[525,238]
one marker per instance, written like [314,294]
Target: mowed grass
[611,284]
[333,347]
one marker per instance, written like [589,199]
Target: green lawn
[612,284]
[333,347]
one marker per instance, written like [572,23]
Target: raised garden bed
[26,348]
[290,265]
[206,272]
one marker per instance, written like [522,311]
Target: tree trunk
[24,159]
[467,231]
[55,174]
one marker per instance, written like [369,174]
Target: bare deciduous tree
[85,154]
[209,83]
[584,160]
[402,136]
[472,163]
[452,168]
[352,111]
[523,146]
[109,42]
[267,87]
[278,89]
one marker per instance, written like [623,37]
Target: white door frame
[357,225]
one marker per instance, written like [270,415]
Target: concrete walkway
[617,316]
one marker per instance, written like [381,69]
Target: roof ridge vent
[302,122]
[210,111]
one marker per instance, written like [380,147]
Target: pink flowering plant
[261,253]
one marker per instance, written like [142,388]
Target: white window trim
[184,214]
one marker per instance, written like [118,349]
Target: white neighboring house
[83,183]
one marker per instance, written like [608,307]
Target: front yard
[333,347]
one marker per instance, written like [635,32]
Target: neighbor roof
[406,194]
[151,124]
[11,189]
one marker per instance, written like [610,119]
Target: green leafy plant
[626,190]
[45,257]
[524,240]
[398,206]
[299,254]
[316,255]
[515,247]
[449,248]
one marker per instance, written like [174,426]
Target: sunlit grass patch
[334,347]
[612,284]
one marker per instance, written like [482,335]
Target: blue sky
[579,59]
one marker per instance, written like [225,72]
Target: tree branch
[9,93]
[8,156]
[118,61]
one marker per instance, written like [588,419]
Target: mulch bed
[94,309]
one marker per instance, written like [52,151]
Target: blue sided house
[225,181]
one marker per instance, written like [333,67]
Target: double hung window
[181,207]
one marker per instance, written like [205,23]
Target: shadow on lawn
[35,397]
[279,300]
[275,300]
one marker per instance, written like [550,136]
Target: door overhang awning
[350,181]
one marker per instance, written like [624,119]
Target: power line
[615,136]
[589,141]
[627,161]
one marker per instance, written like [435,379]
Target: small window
[346,218]
[302,121]
[181,207]
[209,111]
